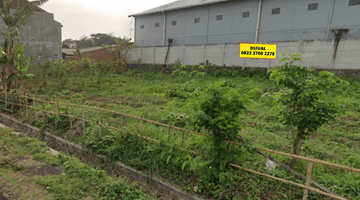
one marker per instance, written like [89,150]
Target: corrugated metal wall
[294,22]
[317,54]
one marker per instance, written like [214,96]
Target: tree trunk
[297,143]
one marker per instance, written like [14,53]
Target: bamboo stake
[99,119]
[140,132]
[169,134]
[122,123]
[12,104]
[26,103]
[182,139]
[308,180]
[71,126]
[20,104]
[83,117]
[55,117]
[6,100]
[35,107]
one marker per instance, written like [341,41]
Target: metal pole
[330,19]
[183,60]
[134,30]
[223,58]
[207,25]
[164,31]
[258,22]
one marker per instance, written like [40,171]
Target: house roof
[14,3]
[84,50]
[180,4]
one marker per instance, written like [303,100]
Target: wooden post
[20,103]
[68,111]
[122,123]
[57,102]
[140,131]
[35,107]
[98,111]
[182,139]
[5,100]
[42,105]
[12,104]
[26,102]
[169,134]
[308,180]
[83,116]
[55,118]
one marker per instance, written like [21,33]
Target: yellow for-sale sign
[261,51]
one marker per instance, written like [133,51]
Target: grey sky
[84,17]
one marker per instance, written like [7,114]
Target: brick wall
[97,55]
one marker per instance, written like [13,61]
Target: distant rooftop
[84,50]
[180,4]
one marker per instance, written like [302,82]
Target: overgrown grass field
[163,97]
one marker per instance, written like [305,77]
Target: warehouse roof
[177,5]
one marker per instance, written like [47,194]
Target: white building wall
[316,54]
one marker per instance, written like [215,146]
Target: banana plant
[13,22]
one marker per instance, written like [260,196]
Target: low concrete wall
[152,185]
[316,54]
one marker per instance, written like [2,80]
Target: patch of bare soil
[19,184]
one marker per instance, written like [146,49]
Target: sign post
[260,51]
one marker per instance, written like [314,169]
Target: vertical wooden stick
[42,105]
[26,103]
[169,134]
[12,104]
[98,111]
[308,179]
[83,116]
[140,131]
[35,107]
[182,139]
[57,102]
[20,103]
[68,111]
[5,100]
[122,123]
[55,118]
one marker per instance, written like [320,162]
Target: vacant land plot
[29,171]
[160,97]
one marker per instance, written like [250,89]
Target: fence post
[308,179]
[55,118]
[26,102]
[140,131]
[98,111]
[35,107]
[122,123]
[169,134]
[182,139]
[5,100]
[68,111]
[83,117]
[12,104]
[20,103]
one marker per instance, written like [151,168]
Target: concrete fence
[316,54]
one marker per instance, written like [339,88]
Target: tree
[102,39]
[69,43]
[305,101]
[122,46]
[85,42]
[13,23]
